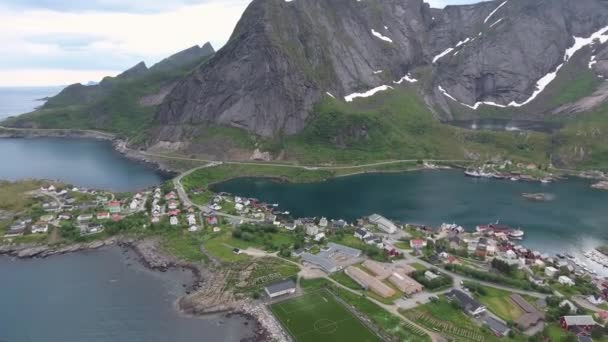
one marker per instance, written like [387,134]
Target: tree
[597,333]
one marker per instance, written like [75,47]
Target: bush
[496,278]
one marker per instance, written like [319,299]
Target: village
[430,277]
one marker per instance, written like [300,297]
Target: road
[185,199]
[459,278]
[581,301]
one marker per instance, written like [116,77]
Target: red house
[577,323]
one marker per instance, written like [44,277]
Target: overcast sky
[56,42]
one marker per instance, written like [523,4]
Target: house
[569,304]
[191,220]
[319,237]
[173,221]
[404,283]
[170,196]
[362,233]
[172,205]
[65,217]
[370,240]
[577,323]
[114,207]
[116,218]
[40,228]
[193,229]
[239,207]
[339,224]
[212,220]
[47,218]
[565,280]
[290,226]
[551,272]
[430,276]
[16,229]
[497,327]
[323,222]
[217,229]
[312,230]
[466,302]
[383,223]
[88,229]
[595,300]
[417,244]
[531,317]
[84,217]
[281,288]
[103,215]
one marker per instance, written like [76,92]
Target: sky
[59,42]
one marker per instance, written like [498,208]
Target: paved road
[579,300]
[459,278]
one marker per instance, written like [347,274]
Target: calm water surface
[82,162]
[576,219]
[19,100]
[101,296]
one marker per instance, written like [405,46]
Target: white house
[40,228]
[312,230]
[319,237]
[430,276]
[551,272]
[191,220]
[564,280]
[174,221]
[193,229]
[323,222]
[361,234]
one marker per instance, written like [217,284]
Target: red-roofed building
[212,220]
[170,196]
[417,243]
[114,207]
[116,218]
[174,212]
[103,215]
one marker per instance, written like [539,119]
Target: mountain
[283,57]
[344,80]
[124,104]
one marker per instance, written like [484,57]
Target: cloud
[124,6]
[95,41]
[50,77]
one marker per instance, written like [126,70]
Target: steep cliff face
[284,56]
[507,53]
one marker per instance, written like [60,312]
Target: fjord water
[101,296]
[19,100]
[576,218]
[82,162]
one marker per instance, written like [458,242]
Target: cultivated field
[318,317]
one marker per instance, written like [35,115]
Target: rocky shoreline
[150,254]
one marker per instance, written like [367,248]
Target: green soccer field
[318,317]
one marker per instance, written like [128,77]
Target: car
[433,298]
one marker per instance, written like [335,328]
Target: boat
[514,179]
[517,234]
[474,174]
[545,180]
[498,229]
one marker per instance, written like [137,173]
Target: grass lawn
[418,266]
[498,302]
[184,245]
[319,317]
[345,280]
[218,246]
[403,245]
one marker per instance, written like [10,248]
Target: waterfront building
[383,223]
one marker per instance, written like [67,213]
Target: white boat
[545,181]
[516,234]
[474,174]
[514,179]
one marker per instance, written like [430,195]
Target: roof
[528,320]
[496,325]
[281,286]
[578,320]
[353,252]
[326,264]
[465,301]
[522,303]
[361,232]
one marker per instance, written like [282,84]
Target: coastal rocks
[25,251]
[268,327]
[603,185]
[151,255]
